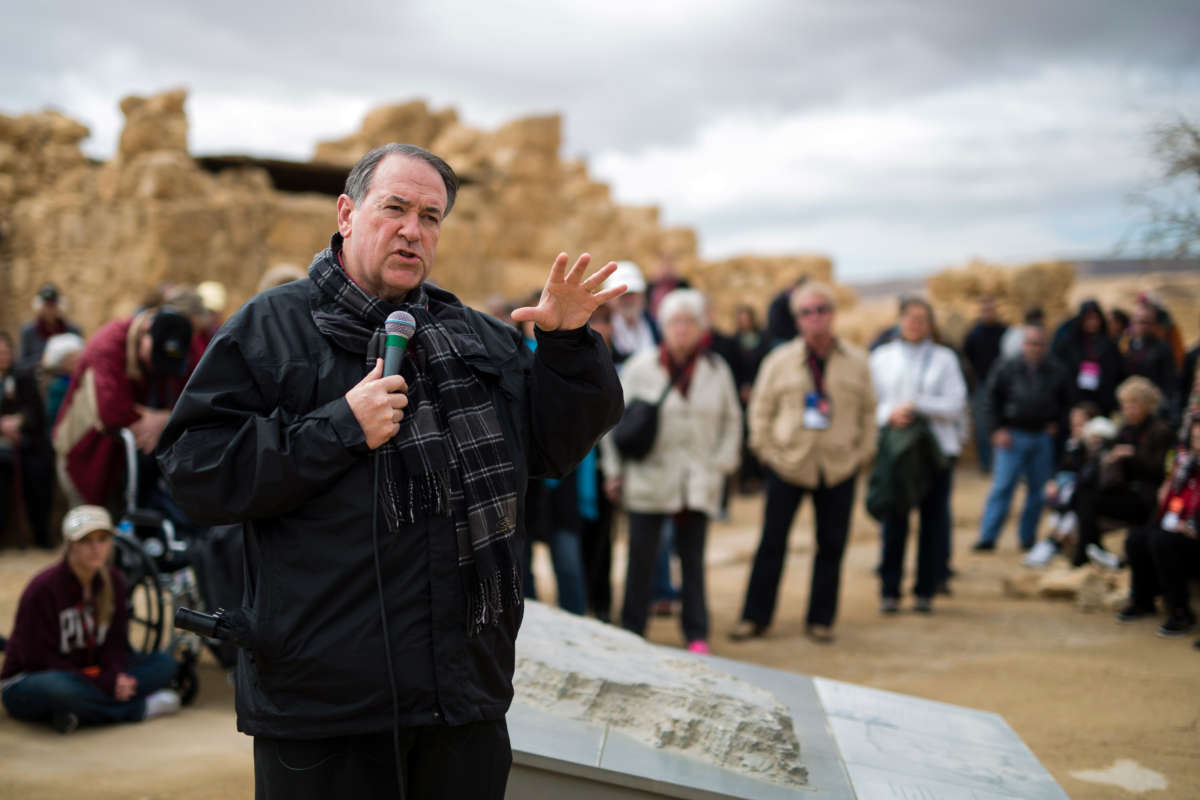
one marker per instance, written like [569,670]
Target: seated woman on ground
[1165,556]
[1084,443]
[1125,479]
[68,660]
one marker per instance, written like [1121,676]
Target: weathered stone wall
[955,293]
[107,233]
[756,279]
[36,150]
[522,204]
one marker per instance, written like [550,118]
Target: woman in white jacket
[916,377]
[698,444]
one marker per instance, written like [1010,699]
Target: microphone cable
[387,639]
[398,329]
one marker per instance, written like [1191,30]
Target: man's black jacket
[1025,398]
[263,435]
[982,348]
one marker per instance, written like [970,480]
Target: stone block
[1022,584]
[154,123]
[581,669]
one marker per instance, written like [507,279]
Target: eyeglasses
[825,308]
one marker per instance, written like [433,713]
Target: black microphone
[400,327]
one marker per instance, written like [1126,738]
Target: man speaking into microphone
[383,512]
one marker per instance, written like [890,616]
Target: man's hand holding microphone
[378,403]
[379,399]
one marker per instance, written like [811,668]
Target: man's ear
[345,208]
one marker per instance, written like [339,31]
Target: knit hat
[82,520]
[58,347]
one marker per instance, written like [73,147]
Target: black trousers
[1091,503]
[933,540]
[832,505]
[37,485]
[438,761]
[1161,563]
[645,530]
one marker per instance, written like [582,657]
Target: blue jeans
[566,554]
[39,695]
[1031,456]
[663,588]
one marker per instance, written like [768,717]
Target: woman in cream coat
[698,444]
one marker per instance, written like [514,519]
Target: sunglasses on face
[824,308]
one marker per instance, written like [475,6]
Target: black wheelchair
[165,571]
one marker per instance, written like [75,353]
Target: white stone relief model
[578,668]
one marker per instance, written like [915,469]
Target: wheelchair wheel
[144,596]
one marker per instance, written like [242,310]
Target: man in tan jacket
[812,424]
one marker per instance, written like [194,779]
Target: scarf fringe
[419,496]
[491,596]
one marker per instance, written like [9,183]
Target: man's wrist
[578,335]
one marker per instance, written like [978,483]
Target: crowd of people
[1087,415]
[1096,419]
[1099,418]
[64,400]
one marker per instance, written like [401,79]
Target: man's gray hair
[822,290]
[358,182]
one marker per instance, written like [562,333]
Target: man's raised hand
[568,300]
[378,403]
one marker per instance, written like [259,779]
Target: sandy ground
[1082,691]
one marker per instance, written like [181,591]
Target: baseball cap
[213,295]
[48,293]
[82,520]
[171,335]
[628,273]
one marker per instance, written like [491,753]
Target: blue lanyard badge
[816,411]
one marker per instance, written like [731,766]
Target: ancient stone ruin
[578,668]
[108,232]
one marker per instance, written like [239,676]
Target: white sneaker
[164,701]
[1101,557]
[1041,553]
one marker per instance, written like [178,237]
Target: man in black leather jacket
[1027,400]
[382,513]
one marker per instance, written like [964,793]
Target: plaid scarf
[449,457]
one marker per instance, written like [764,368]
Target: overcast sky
[898,137]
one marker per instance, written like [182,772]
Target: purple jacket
[55,629]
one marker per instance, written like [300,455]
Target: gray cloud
[908,116]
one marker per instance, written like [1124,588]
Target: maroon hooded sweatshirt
[56,629]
